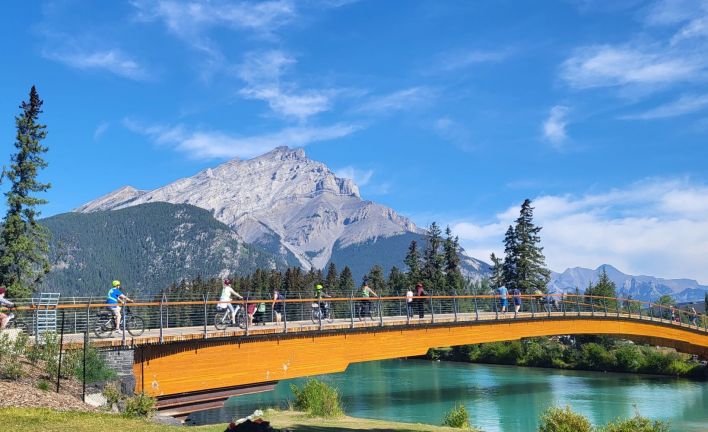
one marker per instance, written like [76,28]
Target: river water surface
[498,398]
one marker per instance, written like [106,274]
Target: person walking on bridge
[116,296]
[420,301]
[366,292]
[503,300]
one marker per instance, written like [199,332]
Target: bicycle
[373,310]
[318,314]
[222,319]
[106,323]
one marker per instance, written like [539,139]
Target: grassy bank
[37,419]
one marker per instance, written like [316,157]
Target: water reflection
[498,398]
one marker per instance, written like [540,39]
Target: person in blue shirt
[114,298]
[504,302]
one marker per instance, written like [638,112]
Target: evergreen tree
[412,261]
[453,275]
[346,282]
[603,288]
[433,260]
[23,251]
[332,279]
[396,285]
[531,270]
[376,280]
[509,272]
[497,277]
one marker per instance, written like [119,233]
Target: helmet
[227,281]
[318,287]
[116,283]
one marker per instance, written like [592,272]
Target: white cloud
[654,227]
[684,105]
[100,130]
[399,100]
[359,176]
[461,59]
[555,124]
[210,144]
[263,72]
[453,131]
[111,60]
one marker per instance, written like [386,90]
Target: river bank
[45,420]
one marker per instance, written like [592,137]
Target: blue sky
[453,111]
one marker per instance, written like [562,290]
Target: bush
[636,424]
[43,384]
[10,354]
[140,405]
[112,394]
[457,417]
[97,370]
[596,357]
[557,419]
[318,399]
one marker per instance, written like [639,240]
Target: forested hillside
[147,247]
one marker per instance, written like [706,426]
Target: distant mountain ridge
[638,287]
[287,204]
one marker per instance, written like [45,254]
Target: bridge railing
[194,315]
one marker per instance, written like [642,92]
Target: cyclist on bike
[319,294]
[115,297]
[4,318]
[225,299]
[366,292]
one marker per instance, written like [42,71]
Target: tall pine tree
[412,261]
[376,279]
[433,260]
[346,282]
[453,275]
[532,273]
[509,270]
[24,248]
[332,279]
[497,277]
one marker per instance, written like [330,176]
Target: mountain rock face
[282,202]
[147,247]
[638,287]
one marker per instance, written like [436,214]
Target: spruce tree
[346,282]
[332,279]
[531,270]
[396,284]
[412,261]
[24,248]
[603,288]
[453,275]
[497,277]
[433,260]
[509,272]
[376,279]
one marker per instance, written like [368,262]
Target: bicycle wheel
[374,311]
[330,315]
[315,315]
[241,319]
[135,325]
[221,320]
[15,324]
[104,327]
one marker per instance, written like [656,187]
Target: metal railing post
[205,315]
[454,303]
[351,310]
[285,315]
[380,312]
[61,350]
[476,310]
[122,323]
[577,304]
[162,301]
[248,316]
[302,307]
[432,308]
[605,308]
[592,307]
[533,307]
[75,315]
[88,314]
[496,309]
[549,305]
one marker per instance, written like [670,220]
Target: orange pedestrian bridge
[189,364]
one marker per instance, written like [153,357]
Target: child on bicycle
[225,300]
[116,296]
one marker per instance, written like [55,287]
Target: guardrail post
[605,308]
[454,303]
[285,315]
[432,308]
[563,303]
[380,312]
[122,317]
[302,307]
[351,310]
[205,315]
[533,307]
[549,305]
[61,350]
[577,304]
[162,301]
[618,308]
[476,311]
[248,317]
[88,315]
[496,309]
[592,307]
[75,315]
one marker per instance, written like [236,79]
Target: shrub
[43,384]
[629,358]
[112,394]
[318,399]
[97,370]
[557,419]
[140,405]
[457,417]
[10,354]
[596,357]
[636,424]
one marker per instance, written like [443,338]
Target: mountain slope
[148,247]
[281,200]
[638,287]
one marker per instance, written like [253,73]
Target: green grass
[45,420]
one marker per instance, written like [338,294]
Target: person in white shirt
[225,299]
[409,302]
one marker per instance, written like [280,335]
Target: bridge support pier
[122,361]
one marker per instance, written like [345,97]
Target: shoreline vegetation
[588,353]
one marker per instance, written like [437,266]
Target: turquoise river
[498,398]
